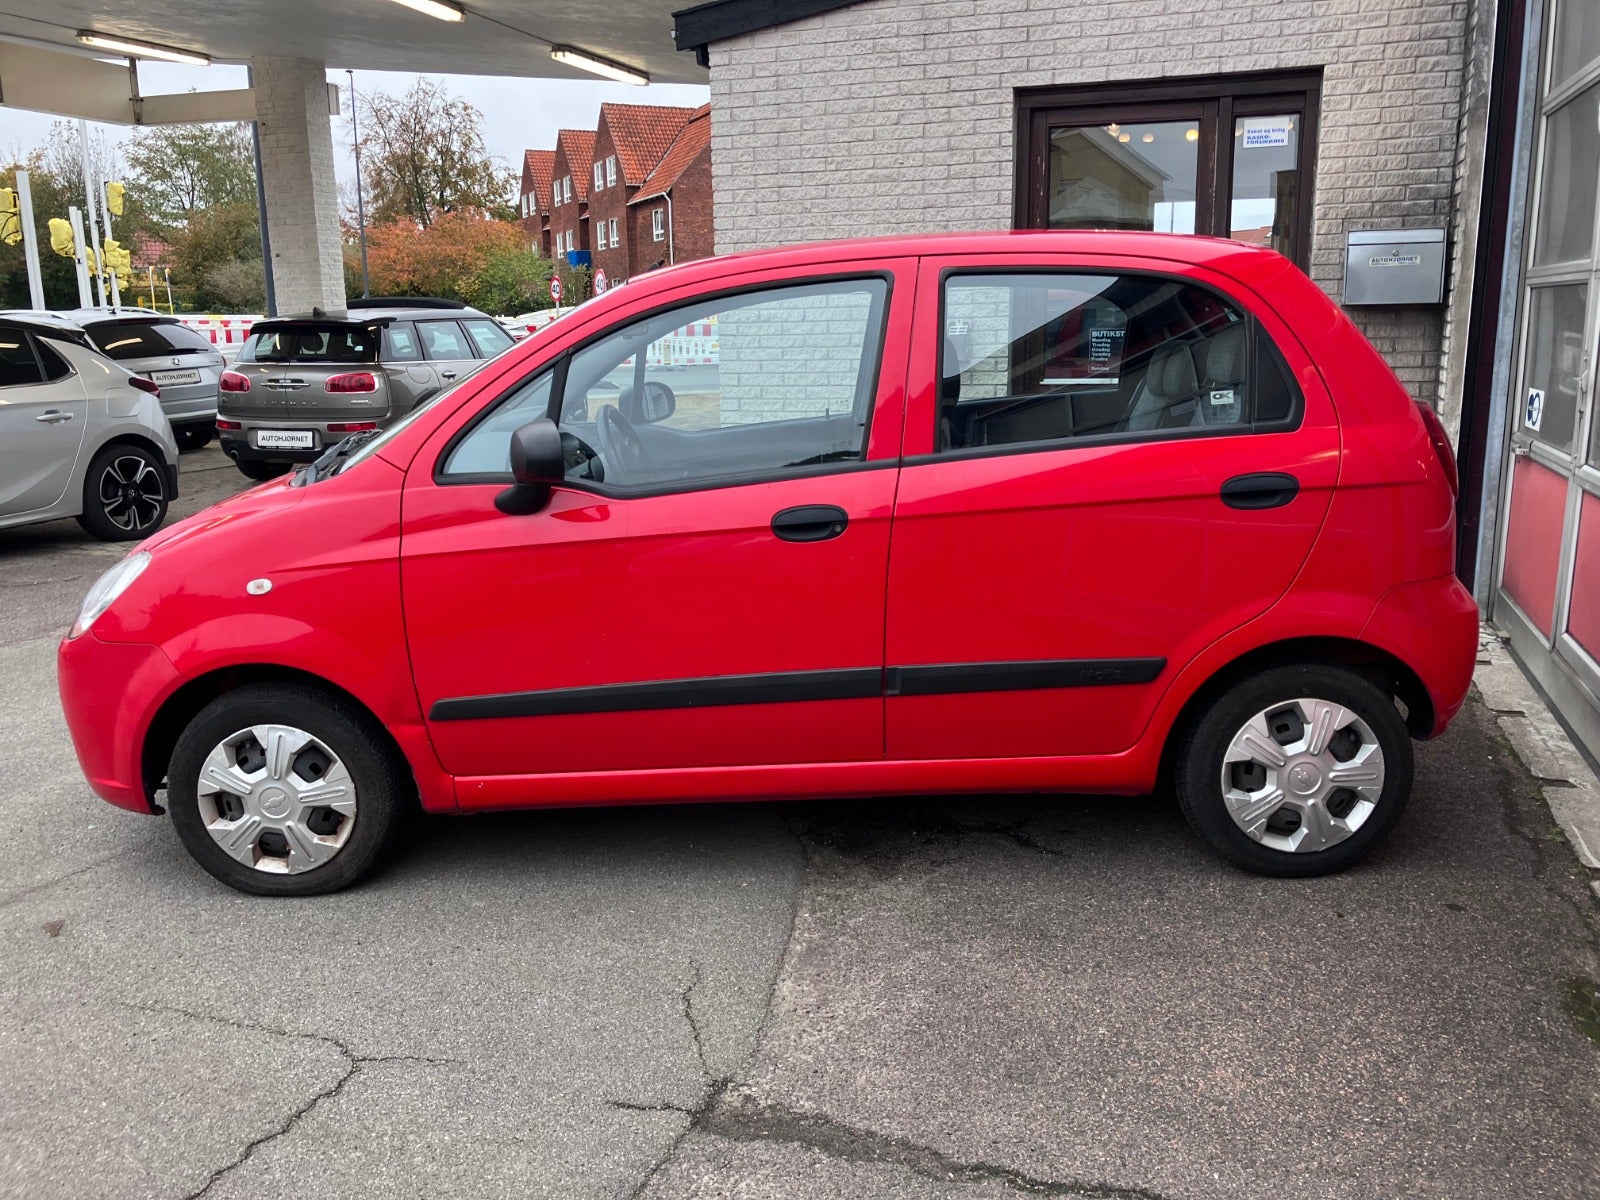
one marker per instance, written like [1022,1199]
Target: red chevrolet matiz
[968,513]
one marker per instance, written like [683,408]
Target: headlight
[107,588]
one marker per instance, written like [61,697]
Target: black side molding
[1270,489]
[952,678]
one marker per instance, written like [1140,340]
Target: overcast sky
[518,114]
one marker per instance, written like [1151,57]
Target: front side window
[486,449]
[489,335]
[1045,358]
[443,341]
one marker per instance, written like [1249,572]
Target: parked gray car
[302,384]
[165,351]
[80,436]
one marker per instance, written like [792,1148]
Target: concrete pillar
[302,199]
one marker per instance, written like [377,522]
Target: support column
[302,198]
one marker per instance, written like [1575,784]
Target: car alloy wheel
[277,799]
[1302,776]
[133,496]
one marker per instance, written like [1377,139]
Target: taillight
[352,427]
[232,381]
[145,385]
[1441,447]
[228,425]
[355,381]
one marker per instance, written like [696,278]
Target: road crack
[354,1065]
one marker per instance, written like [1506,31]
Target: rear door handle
[447,374]
[810,523]
[52,416]
[1270,489]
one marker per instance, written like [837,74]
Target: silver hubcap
[131,492]
[1302,776]
[277,799]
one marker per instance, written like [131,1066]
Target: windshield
[312,344]
[122,340]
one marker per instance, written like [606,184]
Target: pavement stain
[1581,998]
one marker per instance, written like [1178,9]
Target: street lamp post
[361,197]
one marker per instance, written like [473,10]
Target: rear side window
[443,340]
[1052,357]
[312,344]
[400,344]
[55,367]
[122,340]
[491,338]
[18,366]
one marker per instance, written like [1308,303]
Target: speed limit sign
[555,288]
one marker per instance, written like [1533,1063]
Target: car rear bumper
[108,723]
[240,450]
[1432,626]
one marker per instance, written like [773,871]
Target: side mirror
[537,463]
[655,403]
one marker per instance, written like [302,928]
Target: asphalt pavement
[988,997]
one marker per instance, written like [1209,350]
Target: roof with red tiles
[694,137]
[642,134]
[538,171]
[578,145]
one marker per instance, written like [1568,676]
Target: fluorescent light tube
[435,8]
[137,49]
[598,66]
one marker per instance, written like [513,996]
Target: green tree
[423,155]
[213,252]
[177,172]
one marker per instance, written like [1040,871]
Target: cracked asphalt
[950,1000]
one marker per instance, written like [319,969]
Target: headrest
[1171,373]
[1225,356]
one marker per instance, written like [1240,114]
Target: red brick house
[538,175]
[569,192]
[670,213]
[629,141]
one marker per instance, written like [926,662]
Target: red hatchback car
[971,513]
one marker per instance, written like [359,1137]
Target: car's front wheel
[283,790]
[1297,771]
[124,494]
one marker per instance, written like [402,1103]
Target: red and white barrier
[225,331]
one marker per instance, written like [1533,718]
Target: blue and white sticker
[1533,413]
[1260,132]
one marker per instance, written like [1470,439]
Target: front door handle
[810,523]
[447,374]
[53,416]
[1269,489]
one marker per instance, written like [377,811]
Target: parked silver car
[80,436]
[302,384]
[165,351]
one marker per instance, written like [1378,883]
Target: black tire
[1198,766]
[262,471]
[192,437]
[384,789]
[125,494]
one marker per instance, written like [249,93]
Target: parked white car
[80,436]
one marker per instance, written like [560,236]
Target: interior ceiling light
[137,49]
[1191,135]
[1148,138]
[598,66]
[435,8]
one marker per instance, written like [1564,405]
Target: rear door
[1087,499]
[43,411]
[447,348]
[412,378]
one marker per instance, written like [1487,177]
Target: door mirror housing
[537,464]
[655,403]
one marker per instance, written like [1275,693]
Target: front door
[708,588]
[1549,581]
[1064,541]
[42,415]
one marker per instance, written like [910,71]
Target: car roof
[86,317]
[377,314]
[48,322]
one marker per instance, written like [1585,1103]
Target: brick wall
[610,203]
[905,110]
[643,249]
[570,213]
[302,193]
[693,226]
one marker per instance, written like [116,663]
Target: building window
[555,194]
[613,231]
[658,225]
[597,184]
[1228,157]
[566,189]
[611,170]
[600,236]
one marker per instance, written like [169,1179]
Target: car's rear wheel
[1297,771]
[262,471]
[193,437]
[282,790]
[124,494]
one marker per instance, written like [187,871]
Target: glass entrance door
[1549,583]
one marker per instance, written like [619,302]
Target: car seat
[1169,383]
[1223,375]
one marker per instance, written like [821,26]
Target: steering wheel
[622,452]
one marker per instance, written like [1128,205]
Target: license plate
[284,439]
[175,377]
